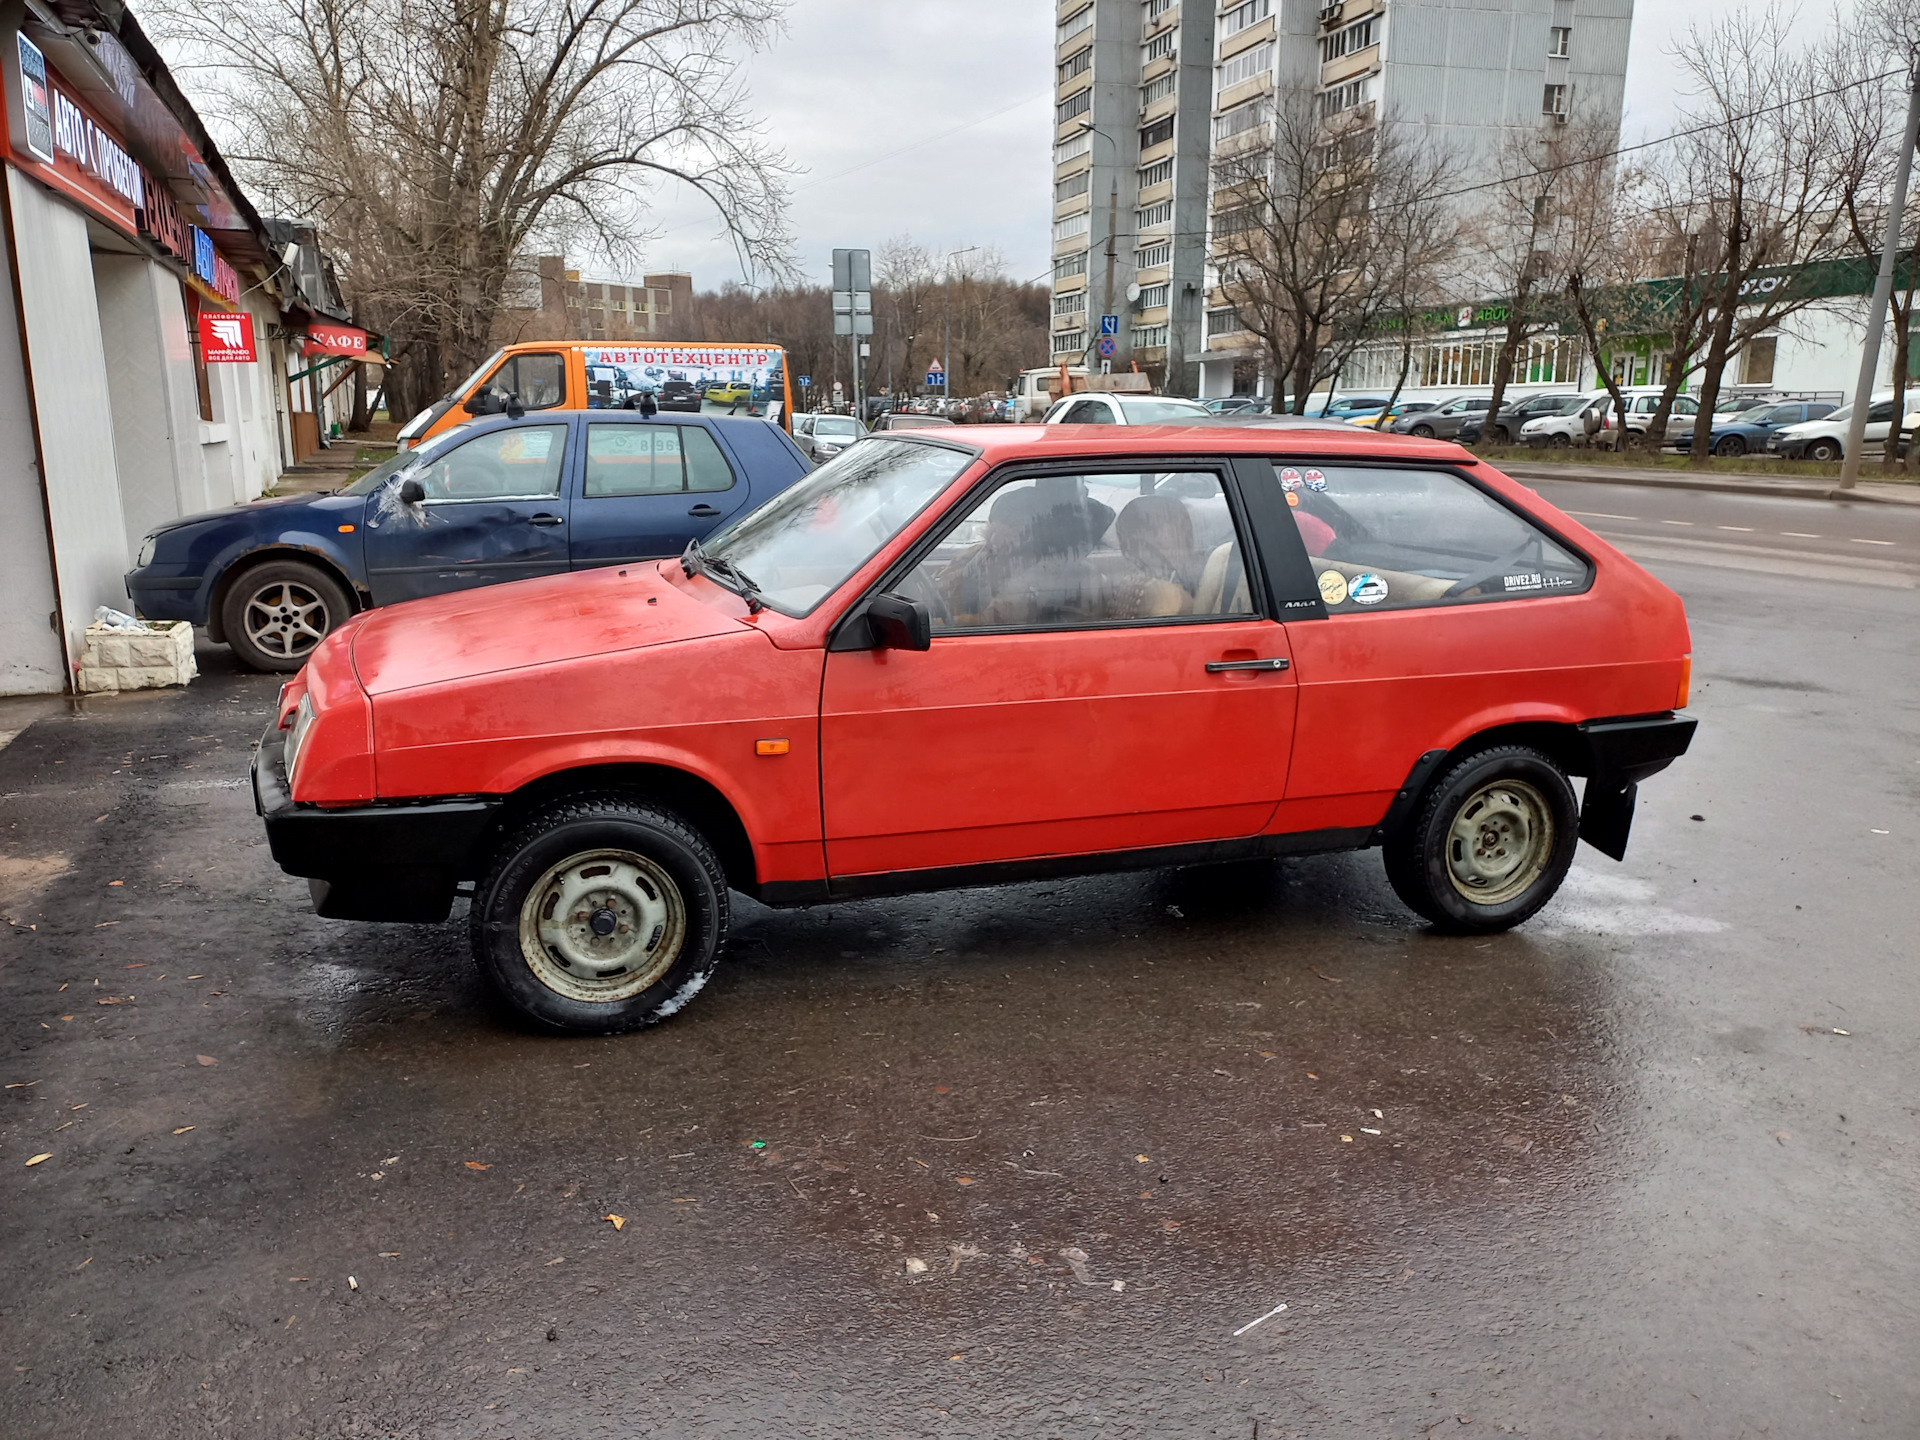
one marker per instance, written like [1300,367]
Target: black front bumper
[371,862]
[1622,753]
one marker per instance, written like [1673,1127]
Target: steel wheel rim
[279,619]
[1500,842]
[602,926]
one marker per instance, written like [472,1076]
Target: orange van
[717,379]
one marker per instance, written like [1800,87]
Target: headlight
[302,722]
[145,557]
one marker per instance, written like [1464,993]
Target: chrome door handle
[544,519]
[1214,667]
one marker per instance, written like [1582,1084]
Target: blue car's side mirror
[412,492]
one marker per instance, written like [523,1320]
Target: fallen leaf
[112,883]
[965,1180]
[183,1129]
[1169,1224]
[391,1160]
[619,1222]
[558,1260]
[137,965]
[389,1254]
[38,1158]
[476,1165]
[112,1000]
[1347,1138]
[1144,1159]
[206,1060]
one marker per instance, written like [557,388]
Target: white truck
[1035,390]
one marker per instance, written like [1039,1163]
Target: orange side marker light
[771,747]
[1686,682]
[346,529]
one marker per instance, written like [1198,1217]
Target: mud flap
[1606,815]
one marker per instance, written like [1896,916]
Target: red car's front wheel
[600,914]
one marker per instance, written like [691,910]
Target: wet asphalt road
[1616,1174]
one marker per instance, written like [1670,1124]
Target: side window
[539,380]
[1087,412]
[653,460]
[1063,551]
[1384,539]
[1882,410]
[519,463]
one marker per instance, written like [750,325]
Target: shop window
[1756,361]
[1384,539]
[201,382]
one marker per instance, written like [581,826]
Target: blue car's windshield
[380,474]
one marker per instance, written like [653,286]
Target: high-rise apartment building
[1147,89]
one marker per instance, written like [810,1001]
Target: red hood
[529,622]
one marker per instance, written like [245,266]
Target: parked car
[1737,432]
[500,499]
[680,395]
[1559,425]
[1444,420]
[1347,407]
[909,420]
[1506,429]
[1826,437]
[1383,419]
[1239,405]
[823,436]
[934,663]
[1106,407]
[729,392]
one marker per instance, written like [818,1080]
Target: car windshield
[1160,411]
[801,546]
[835,425]
[1572,405]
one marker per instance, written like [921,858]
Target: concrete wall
[155,409]
[67,372]
[32,661]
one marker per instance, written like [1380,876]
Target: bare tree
[1752,181]
[1316,231]
[437,142]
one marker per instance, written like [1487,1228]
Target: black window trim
[1290,546]
[1012,472]
[515,359]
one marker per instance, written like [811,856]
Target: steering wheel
[935,602]
[1499,567]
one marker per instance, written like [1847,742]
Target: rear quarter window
[1393,539]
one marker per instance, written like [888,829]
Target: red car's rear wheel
[1490,844]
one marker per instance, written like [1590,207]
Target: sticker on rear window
[1366,588]
[1316,480]
[1333,587]
[1289,479]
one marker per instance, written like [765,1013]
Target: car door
[1099,679]
[494,511]
[1444,611]
[647,487]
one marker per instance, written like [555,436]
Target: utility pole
[946,378]
[1882,292]
[1113,214]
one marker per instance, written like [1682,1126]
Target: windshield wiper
[695,561]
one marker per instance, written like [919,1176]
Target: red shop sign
[226,337]
[326,339]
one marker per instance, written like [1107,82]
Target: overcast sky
[929,118]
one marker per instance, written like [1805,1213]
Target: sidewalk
[331,468]
[1799,487]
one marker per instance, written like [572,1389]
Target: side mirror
[481,402]
[412,492]
[515,410]
[899,623]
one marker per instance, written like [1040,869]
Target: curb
[1724,487]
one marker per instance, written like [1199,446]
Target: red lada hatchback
[944,660]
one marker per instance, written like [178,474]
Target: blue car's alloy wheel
[276,613]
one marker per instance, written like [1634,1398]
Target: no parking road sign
[1107,347]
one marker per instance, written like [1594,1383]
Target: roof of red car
[1009,442]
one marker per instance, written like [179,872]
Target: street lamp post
[1113,219]
[946,378]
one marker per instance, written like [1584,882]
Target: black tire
[277,612]
[1828,450]
[1423,857]
[1425,432]
[1562,440]
[664,852]
[1731,446]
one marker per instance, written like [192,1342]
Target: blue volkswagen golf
[501,499]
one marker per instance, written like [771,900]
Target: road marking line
[1676,522]
[1858,541]
[1746,529]
[1800,534]
[1600,515]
